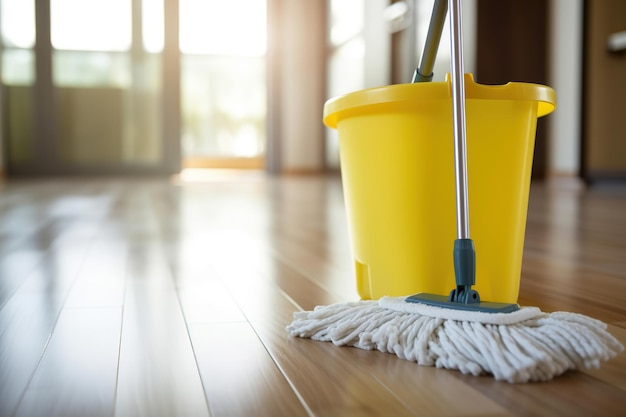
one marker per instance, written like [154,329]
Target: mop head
[522,346]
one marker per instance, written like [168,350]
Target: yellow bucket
[397,164]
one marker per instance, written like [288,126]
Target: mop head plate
[522,346]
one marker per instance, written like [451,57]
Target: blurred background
[101,87]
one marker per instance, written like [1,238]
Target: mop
[461,332]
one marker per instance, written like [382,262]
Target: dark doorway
[512,45]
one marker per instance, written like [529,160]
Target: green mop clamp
[465,272]
[463,297]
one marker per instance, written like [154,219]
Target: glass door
[125,86]
[92,101]
[107,86]
[17,23]
[223,87]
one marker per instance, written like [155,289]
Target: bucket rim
[517,91]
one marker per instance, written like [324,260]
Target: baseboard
[597,177]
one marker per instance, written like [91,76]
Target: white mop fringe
[523,346]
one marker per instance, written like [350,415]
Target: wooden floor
[158,297]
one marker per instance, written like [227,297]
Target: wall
[565,63]
[302,86]
[604,95]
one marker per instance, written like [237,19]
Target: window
[18,41]
[108,92]
[223,46]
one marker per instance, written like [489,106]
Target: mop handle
[424,73]
[458,113]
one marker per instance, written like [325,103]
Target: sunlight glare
[216,27]
[18,23]
[102,25]
[152,25]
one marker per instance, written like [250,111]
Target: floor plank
[613,372]
[15,268]
[240,377]
[102,279]
[29,316]
[26,322]
[208,302]
[158,375]
[426,390]
[77,374]
[337,387]
[572,394]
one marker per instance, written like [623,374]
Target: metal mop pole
[458,114]
[464,253]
